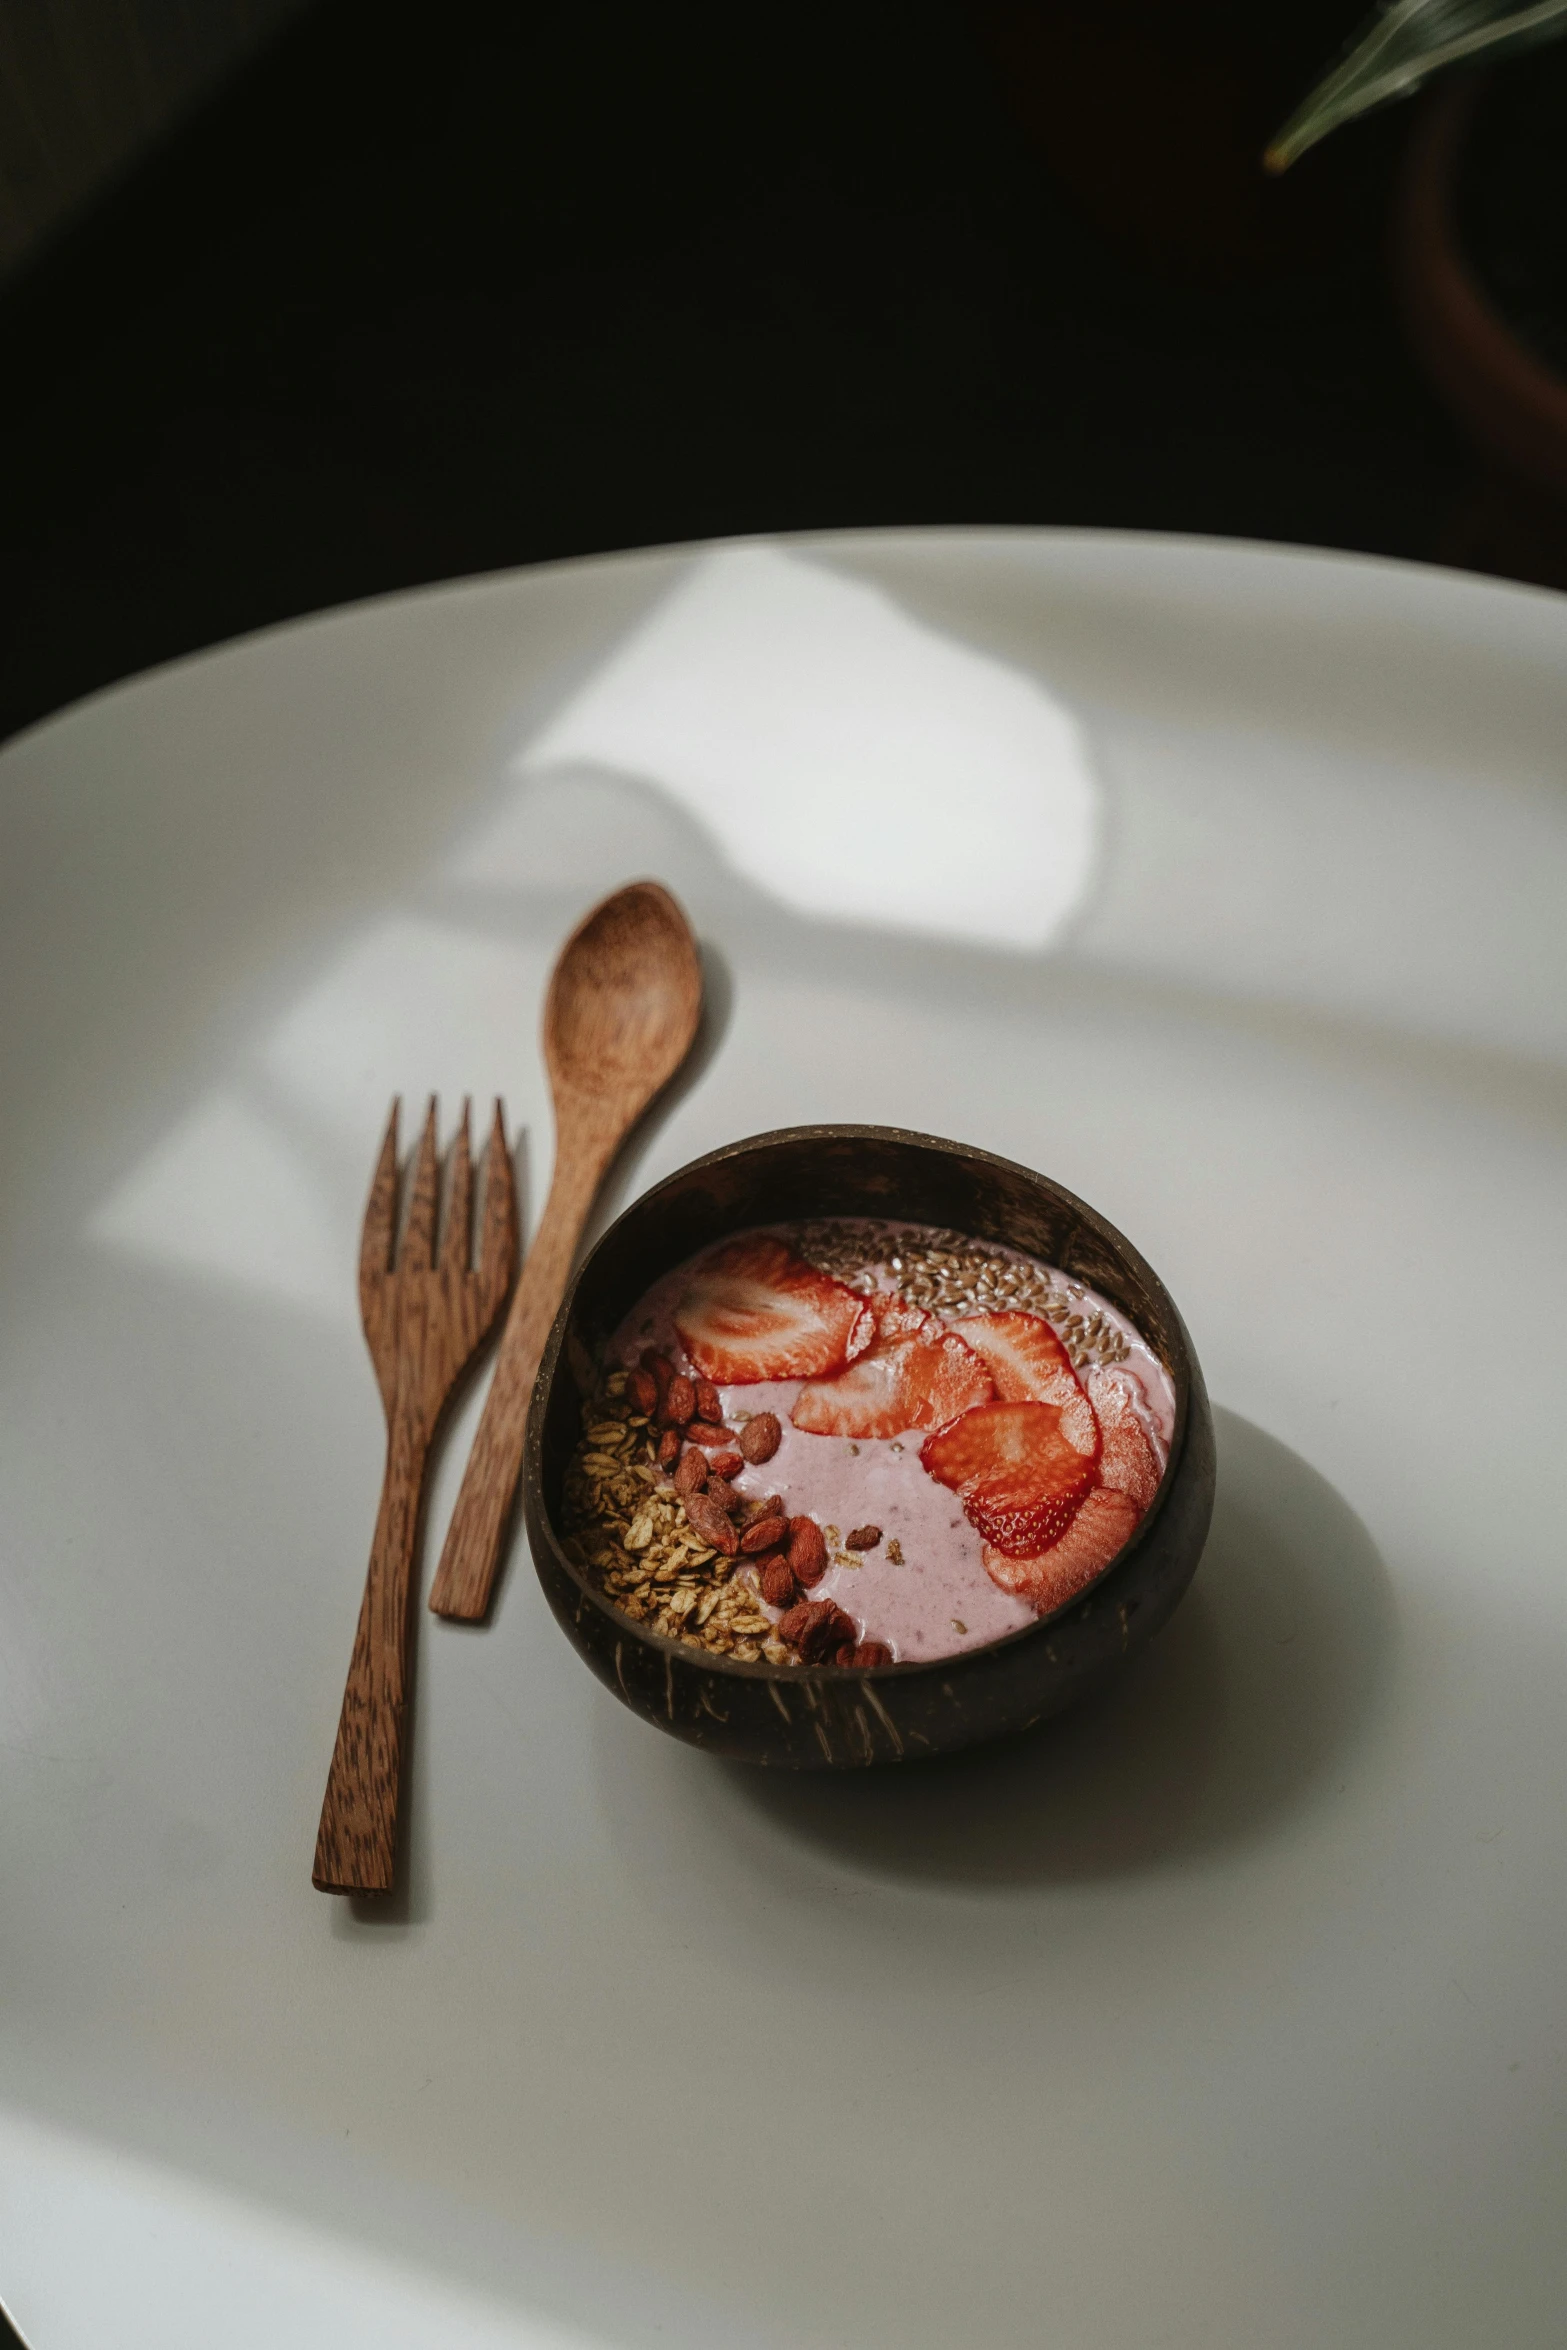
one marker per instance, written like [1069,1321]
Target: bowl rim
[537,1508]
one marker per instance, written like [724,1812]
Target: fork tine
[419,1240]
[498,1236]
[379,1229]
[457,1238]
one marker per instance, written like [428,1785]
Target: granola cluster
[629,1527]
[651,1513]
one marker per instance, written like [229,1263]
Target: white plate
[1227,885]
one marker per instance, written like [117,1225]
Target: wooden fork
[423,1321]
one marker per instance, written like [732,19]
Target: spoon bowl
[625,998]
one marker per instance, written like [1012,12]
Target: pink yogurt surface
[939,1600]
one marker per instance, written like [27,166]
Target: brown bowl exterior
[827,1719]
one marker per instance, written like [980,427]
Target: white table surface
[1227,885]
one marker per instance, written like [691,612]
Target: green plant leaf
[1400,47]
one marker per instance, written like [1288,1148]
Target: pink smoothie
[923,1589]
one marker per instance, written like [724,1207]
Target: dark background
[424,292]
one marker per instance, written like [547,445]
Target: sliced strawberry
[1029,1365]
[756,1311]
[914,1374]
[1020,1475]
[1100,1529]
[1127,1460]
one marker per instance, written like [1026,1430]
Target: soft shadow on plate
[1244,1709]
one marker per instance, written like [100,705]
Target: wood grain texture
[622,1012]
[424,1317]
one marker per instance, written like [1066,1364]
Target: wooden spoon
[621,1015]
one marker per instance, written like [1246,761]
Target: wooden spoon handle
[472,1550]
[357,1840]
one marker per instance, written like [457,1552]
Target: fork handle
[472,1549]
[356,1844]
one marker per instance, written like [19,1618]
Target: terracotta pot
[1154,119]
[1502,392]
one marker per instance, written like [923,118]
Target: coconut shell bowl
[828,1717]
